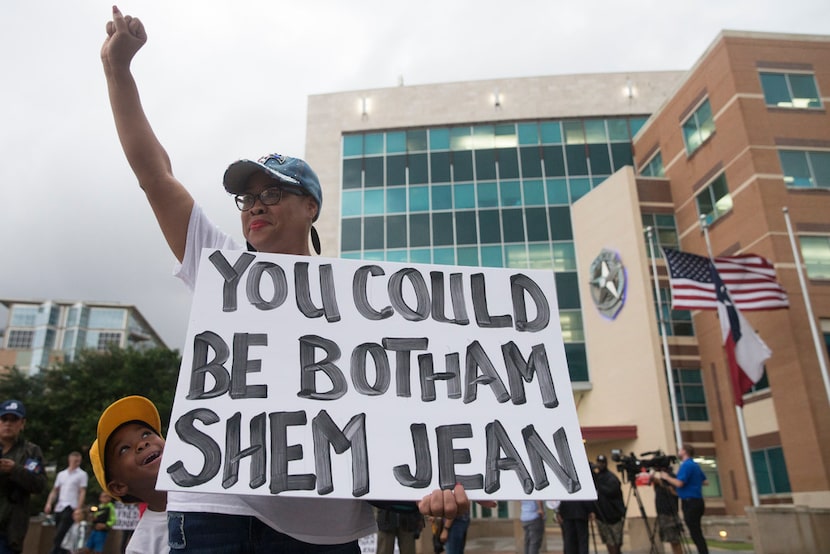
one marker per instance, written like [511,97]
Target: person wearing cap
[279,198]
[21,475]
[609,507]
[68,492]
[126,456]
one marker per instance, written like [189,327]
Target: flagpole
[750,471]
[813,329]
[669,377]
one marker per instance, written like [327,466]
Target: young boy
[102,523]
[126,457]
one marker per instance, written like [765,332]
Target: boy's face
[132,459]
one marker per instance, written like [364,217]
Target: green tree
[63,403]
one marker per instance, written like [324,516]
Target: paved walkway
[507,545]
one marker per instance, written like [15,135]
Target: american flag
[750,280]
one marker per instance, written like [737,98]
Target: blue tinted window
[416,140]
[395,142]
[490,225]
[396,200]
[537,224]
[508,163]
[554,161]
[352,173]
[618,130]
[420,255]
[579,188]
[395,170]
[439,139]
[442,229]
[373,201]
[485,164]
[577,361]
[397,256]
[352,202]
[636,124]
[462,166]
[564,256]
[443,256]
[513,225]
[373,144]
[567,290]
[551,132]
[528,134]
[441,197]
[510,193]
[515,255]
[350,235]
[396,231]
[419,199]
[539,256]
[373,172]
[488,195]
[467,255]
[465,228]
[418,169]
[440,166]
[352,145]
[419,230]
[531,162]
[560,223]
[534,193]
[460,138]
[373,233]
[465,195]
[491,256]
[557,191]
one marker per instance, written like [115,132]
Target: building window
[770,471]
[688,391]
[709,465]
[664,232]
[790,90]
[23,316]
[714,201]
[19,339]
[825,330]
[805,168]
[816,253]
[106,318]
[105,340]
[698,127]
[654,167]
[678,322]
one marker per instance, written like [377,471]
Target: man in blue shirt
[689,485]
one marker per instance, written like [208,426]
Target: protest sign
[126,516]
[354,379]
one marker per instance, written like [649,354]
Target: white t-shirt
[311,520]
[70,484]
[150,535]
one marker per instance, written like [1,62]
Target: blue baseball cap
[291,171]
[14,407]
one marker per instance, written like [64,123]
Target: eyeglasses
[270,197]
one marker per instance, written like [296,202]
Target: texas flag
[745,350]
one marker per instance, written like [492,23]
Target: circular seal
[608,282]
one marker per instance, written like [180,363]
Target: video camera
[630,466]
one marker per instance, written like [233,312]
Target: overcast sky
[226,79]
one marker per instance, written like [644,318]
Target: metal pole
[810,317]
[669,377]
[750,471]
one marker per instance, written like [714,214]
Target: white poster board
[307,376]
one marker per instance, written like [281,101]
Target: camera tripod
[655,545]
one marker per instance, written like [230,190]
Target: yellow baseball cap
[129,408]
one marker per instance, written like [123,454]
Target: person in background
[21,475]
[668,513]
[610,506]
[573,516]
[69,490]
[689,484]
[102,523]
[75,539]
[532,517]
[403,527]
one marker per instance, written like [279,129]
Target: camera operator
[609,507]
[689,483]
[666,505]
